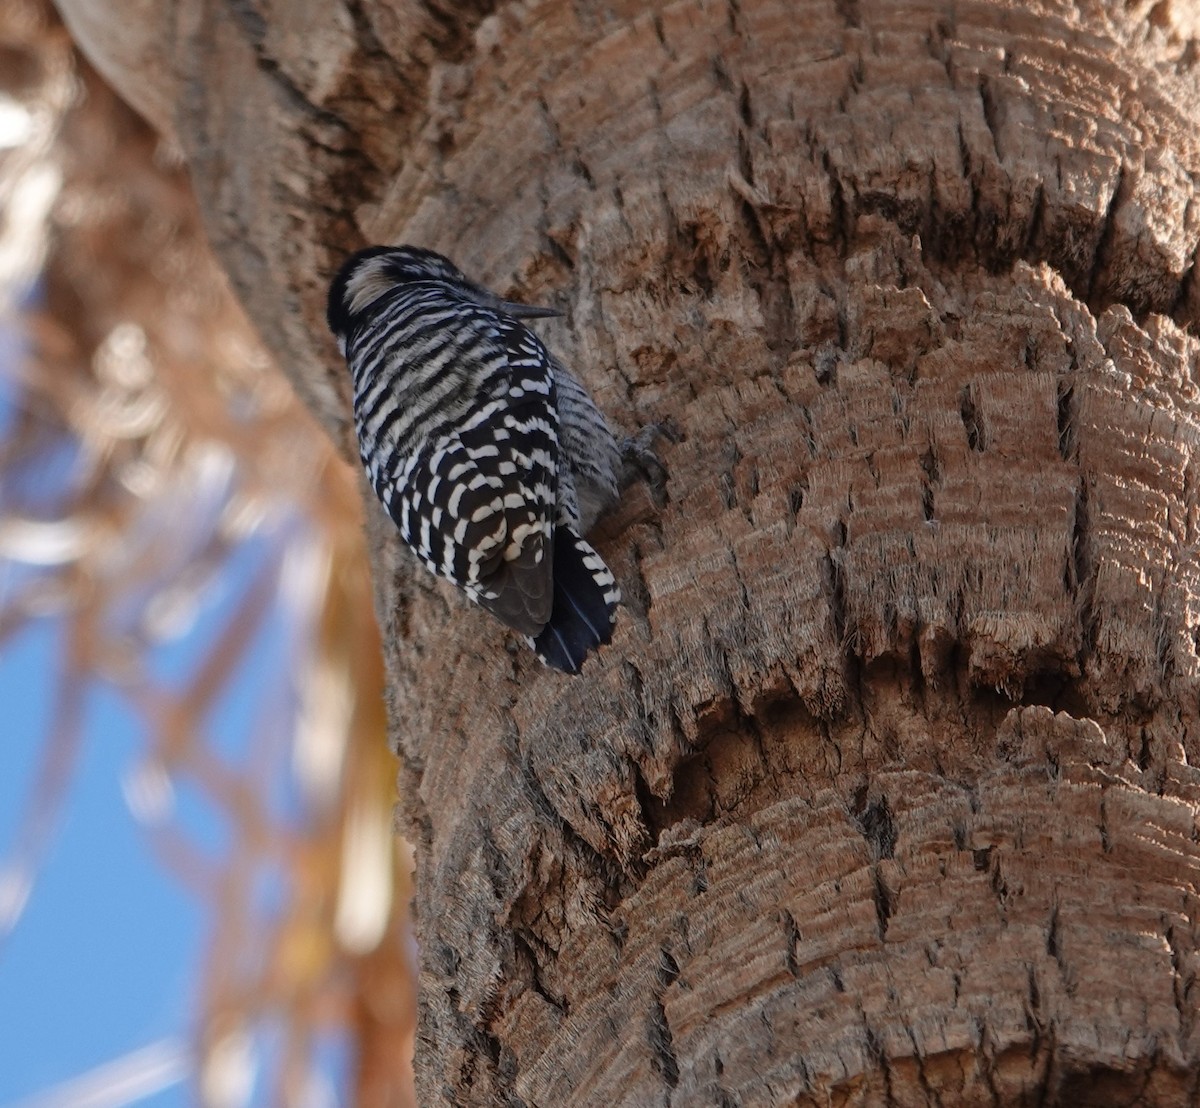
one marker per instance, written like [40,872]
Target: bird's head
[374,272]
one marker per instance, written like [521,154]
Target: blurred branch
[158,475]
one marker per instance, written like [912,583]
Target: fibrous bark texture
[883,791]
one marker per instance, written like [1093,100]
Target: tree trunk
[883,791]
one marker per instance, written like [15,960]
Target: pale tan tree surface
[883,791]
[125,350]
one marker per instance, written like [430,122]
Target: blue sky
[103,960]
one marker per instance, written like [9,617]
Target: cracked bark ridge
[883,791]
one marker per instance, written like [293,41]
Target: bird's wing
[491,484]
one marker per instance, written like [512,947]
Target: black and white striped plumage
[490,457]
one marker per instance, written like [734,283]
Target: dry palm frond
[157,475]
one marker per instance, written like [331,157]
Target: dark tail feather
[585,604]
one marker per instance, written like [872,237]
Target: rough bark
[883,792]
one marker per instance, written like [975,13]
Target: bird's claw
[641,460]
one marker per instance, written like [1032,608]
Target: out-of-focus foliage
[152,445]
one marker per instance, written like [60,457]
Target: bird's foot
[640,459]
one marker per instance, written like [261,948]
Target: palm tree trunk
[883,792]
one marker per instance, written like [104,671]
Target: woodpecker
[490,457]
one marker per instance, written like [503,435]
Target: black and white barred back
[492,459]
